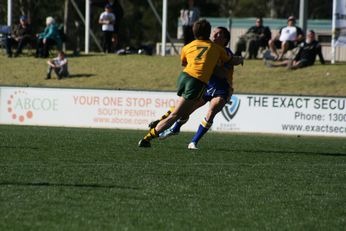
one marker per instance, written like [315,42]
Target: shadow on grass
[47,184]
[73,56]
[19,147]
[81,75]
[288,152]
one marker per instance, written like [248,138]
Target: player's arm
[236,60]
[227,68]
[230,59]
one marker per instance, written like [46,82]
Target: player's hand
[241,60]
[238,60]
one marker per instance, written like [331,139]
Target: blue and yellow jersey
[220,86]
[201,57]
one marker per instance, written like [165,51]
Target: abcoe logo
[231,108]
[21,107]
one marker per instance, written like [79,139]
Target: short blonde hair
[49,20]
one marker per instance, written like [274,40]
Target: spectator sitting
[21,35]
[256,36]
[50,36]
[287,39]
[59,65]
[189,15]
[306,55]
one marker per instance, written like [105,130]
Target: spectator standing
[21,35]
[49,37]
[306,56]
[287,39]
[256,36]
[118,11]
[107,20]
[189,15]
[59,65]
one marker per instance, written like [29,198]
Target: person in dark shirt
[256,36]
[306,56]
[188,16]
[21,35]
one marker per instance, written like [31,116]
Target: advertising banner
[284,115]
[339,22]
[82,108]
[296,115]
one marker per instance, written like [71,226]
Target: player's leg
[181,110]
[164,116]
[175,129]
[216,105]
[171,109]
[190,91]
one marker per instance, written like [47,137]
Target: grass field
[97,179]
[160,73]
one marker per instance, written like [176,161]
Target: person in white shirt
[287,39]
[59,65]
[107,20]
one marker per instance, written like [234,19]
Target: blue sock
[177,125]
[202,129]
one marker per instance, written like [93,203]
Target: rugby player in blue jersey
[219,91]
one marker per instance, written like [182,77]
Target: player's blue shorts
[213,92]
[217,87]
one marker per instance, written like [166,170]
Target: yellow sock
[151,134]
[171,109]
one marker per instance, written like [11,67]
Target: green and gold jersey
[201,57]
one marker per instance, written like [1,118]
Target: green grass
[97,179]
[160,73]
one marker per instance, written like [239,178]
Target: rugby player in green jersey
[199,58]
[219,92]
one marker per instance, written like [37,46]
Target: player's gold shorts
[190,87]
